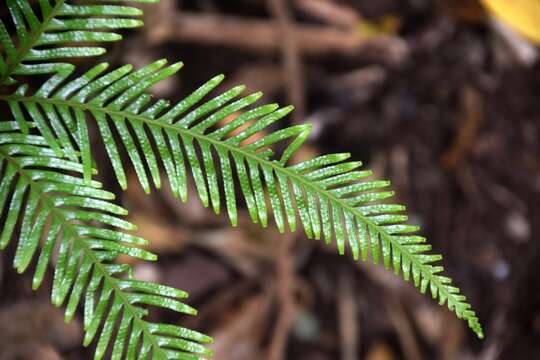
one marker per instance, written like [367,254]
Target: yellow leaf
[387,25]
[522,15]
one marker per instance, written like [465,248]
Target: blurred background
[441,97]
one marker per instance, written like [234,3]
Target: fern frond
[63,29]
[332,198]
[40,191]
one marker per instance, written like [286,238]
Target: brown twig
[403,327]
[330,12]
[293,75]
[472,113]
[285,287]
[292,63]
[263,36]
[348,319]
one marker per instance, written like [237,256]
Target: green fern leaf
[63,29]
[39,191]
[330,197]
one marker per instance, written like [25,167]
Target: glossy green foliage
[60,213]
[59,30]
[330,197]
[244,160]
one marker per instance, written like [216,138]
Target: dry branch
[264,36]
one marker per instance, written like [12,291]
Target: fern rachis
[324,188]
[332,197]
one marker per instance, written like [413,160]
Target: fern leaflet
[39,190]
[332,198]
[60,22]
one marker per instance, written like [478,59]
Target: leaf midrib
[299,178]
[45,199]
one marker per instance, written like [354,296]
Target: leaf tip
[135,23]
[288,108]
[100,50]
[239,88]
[257,95]
[177,66]
[161,62]
[218,78]
[36,284]
[137,12]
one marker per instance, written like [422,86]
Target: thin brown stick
[287,309]
[330,12]
[293,75]
[403,327]
[293,72]
[348,319]
[472,113]
[263,36]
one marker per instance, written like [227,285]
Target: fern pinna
[77,217]
[46,143]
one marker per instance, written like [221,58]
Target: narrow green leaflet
[331,198]
[49,209]
[59,30]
